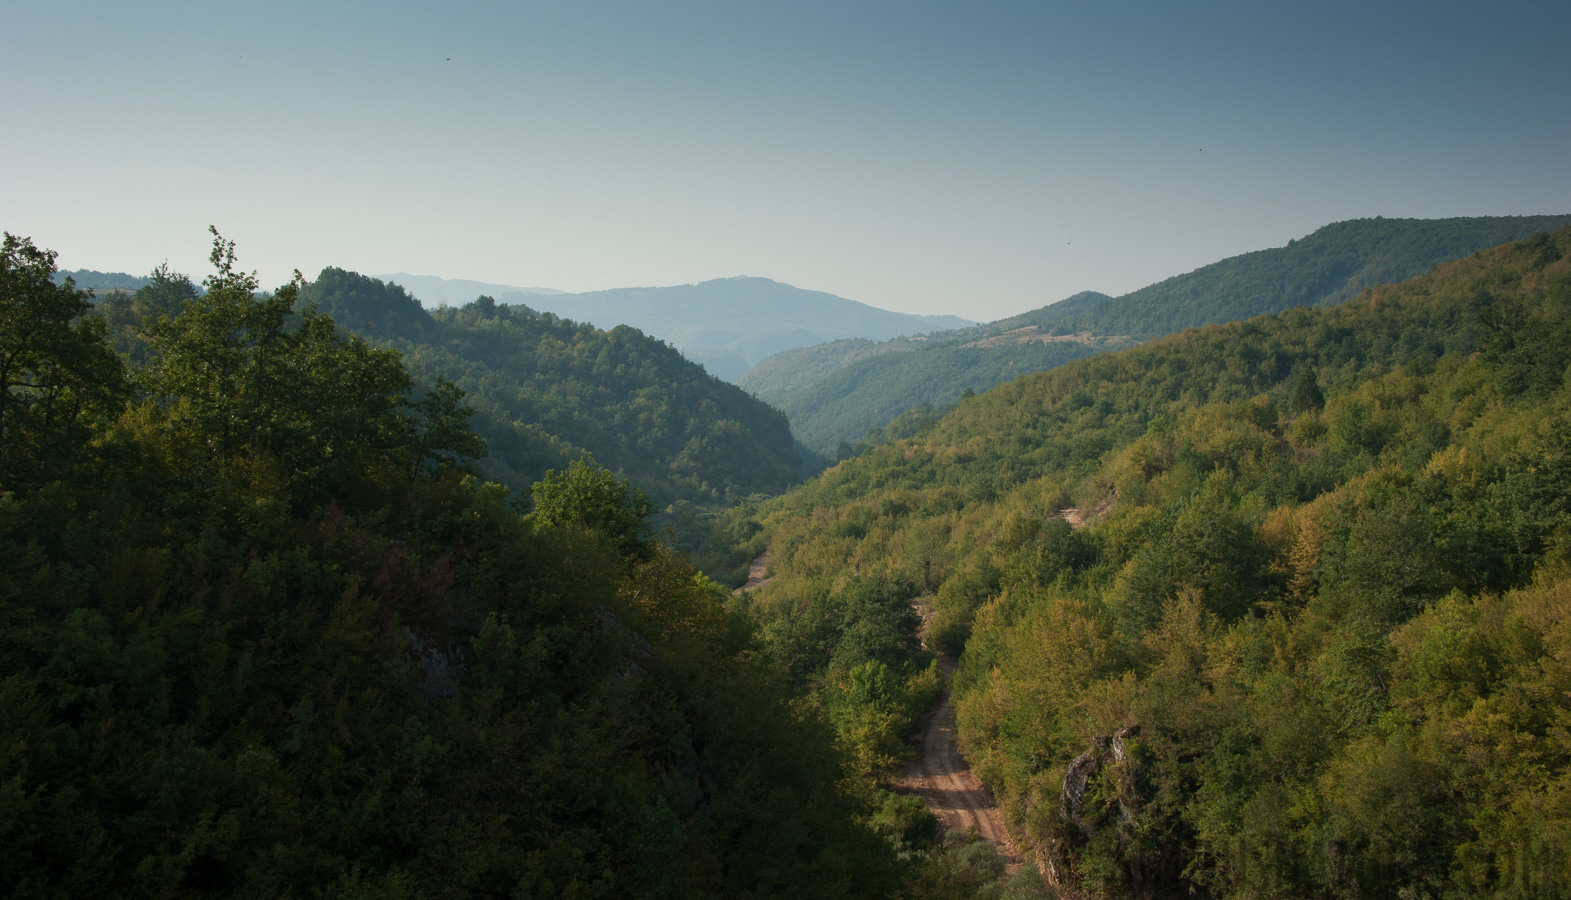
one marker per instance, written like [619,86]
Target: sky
[977,159]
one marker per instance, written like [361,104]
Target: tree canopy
[1309,638]
[262,635]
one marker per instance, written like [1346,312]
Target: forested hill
[92,280]
[1332,264]
[1314,638]
[547,389]
[842,406]
[261,636]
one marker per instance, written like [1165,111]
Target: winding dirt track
[941,778]
[755,574]
[940,775]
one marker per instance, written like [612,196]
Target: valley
[1213,611]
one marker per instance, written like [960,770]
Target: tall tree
[243,377]
[56,368]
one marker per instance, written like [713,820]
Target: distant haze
[977,159]
[727,324]
[432,291]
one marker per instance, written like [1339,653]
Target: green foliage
[865,387]
[244,383]
[130,316]
[1333,265]
[546,391]
[1306,395]
[1307,656]
[588,498]
[777,377]
[58,376]
[855,649]
[845,404]
[251,646]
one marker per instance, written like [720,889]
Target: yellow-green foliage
[1311,641]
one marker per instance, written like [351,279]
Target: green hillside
[262,636]
[1331,265]
[842,406]
[1315,637]
[546,390]
[779,376]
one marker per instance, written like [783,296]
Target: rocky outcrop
[1099,791]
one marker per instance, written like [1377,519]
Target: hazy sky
[971,158]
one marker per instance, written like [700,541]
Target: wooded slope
[546,390]
[1333,264]
[1315,638]
[262,635]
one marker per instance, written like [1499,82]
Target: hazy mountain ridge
[94,280]
[776,378]
[434,291]
[731,324]
[1333,263]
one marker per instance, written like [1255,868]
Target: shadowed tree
[57,371]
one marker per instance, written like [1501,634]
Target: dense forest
[264,632]
[315,592]
[839,408]
[262,635]
[545,391]
[1275,608]
[835,397]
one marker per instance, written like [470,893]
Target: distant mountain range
[93,280]
[432,291]
[728,325]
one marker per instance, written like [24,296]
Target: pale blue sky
[977,159]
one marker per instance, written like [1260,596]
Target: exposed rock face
[1099,791]
[1086,766]
[1077,778]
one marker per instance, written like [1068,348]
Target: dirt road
[755,573]
[941,778]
